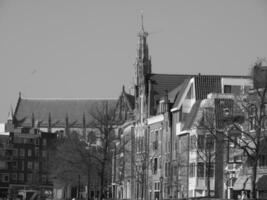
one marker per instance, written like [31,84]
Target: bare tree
[244,121]
[71,162]
[252,127]
[205,144]
[105,122]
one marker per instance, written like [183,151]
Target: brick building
[25,163]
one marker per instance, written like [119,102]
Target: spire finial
[142,21]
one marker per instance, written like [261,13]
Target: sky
[87,49]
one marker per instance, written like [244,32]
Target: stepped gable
[58,109]
[164,83]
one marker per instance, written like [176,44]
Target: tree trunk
[253,180]
[102,177]
[142,191]
[208,175]
[208,181]
[88,185]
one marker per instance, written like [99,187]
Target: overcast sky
[87,49]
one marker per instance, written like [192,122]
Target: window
[29,177]
[14,165]
[156,135]
[36,166]
[252,116]
[21,177]
[210,169]
[36,153]
[29,152]
[155,165]
[167,169]
[29,165]
[5,178]
[264,123]
[14,177]
[200,141]
[263,161]
[155,145]
[21,152]
[44,154]
[22,165]
[157,186]
[44,142]
[227,88]
[15,152]
[192,170]
[200,169]
[210,142]
[43,178]
[193,140]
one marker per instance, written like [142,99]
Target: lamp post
[161,187]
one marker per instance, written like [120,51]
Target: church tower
[142,70]
[143,60]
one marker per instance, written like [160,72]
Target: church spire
[142,23]
[143,64]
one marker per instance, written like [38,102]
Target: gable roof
[180,92]
[191,117]
[58,109]
[164,83]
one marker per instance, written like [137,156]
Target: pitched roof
[190,118]
[162,83]
[180,91]
[58,109]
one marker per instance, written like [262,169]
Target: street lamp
[161,187]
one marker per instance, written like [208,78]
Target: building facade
[26,158]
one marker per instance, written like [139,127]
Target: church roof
[58,109]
